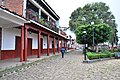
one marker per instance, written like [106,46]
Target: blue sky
[64,8]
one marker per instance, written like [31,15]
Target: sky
[64,8]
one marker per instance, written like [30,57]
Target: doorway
[29,46]
[0,41]
[18,46]
[41,45]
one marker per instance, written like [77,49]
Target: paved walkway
[69,68]
[10,63]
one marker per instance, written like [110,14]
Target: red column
[70,43]
[54,45]
[61,43]
[22,43]
[39,45]
[26,43]
[48,45]
[58,46]
[65,44]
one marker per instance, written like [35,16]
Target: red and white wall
[8,45]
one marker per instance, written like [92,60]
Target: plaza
[69,68]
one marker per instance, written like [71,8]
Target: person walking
[62,51]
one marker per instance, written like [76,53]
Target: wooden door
[29,47]
[41,45]
[0,41]
[53,46]
[17,46]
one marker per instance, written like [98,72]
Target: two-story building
[27,28]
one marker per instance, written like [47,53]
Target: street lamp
[92,23]
[83,20]
[84,44]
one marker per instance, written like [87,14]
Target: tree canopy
[98,13]
[102,33]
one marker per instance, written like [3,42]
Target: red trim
[10,54]
[44,51]
[7,54]
[50,50]
[34,51]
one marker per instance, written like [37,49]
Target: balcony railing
[30,14]
[63,33]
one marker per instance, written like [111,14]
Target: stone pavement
[69,68]
[10,63]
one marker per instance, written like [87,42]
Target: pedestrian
[62,51]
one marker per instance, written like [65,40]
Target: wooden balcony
[32,15]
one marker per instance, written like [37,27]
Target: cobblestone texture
[69,68]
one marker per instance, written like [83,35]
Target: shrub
[93,55]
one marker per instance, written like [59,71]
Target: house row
[27,28]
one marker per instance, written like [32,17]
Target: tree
[96,12]
[102,33]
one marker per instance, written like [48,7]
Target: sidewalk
[10,63]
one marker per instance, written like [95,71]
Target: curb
[96,60]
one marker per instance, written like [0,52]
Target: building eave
[47,28]
[10,19]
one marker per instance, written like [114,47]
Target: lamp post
[92,23]
[84,45]
[83,19]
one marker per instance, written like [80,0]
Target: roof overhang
[47,29]
[8,19]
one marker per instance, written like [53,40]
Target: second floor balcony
[32,15]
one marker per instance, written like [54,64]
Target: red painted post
[65,44]
[48,45]
[22,43]
[26,43]
[39,45]
[61,43]
[54,45]
[58,46]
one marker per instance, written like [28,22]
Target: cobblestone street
[69,68]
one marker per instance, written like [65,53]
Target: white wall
[34,40]
[44,42]
[56,43]
[8,39]
[51,39]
